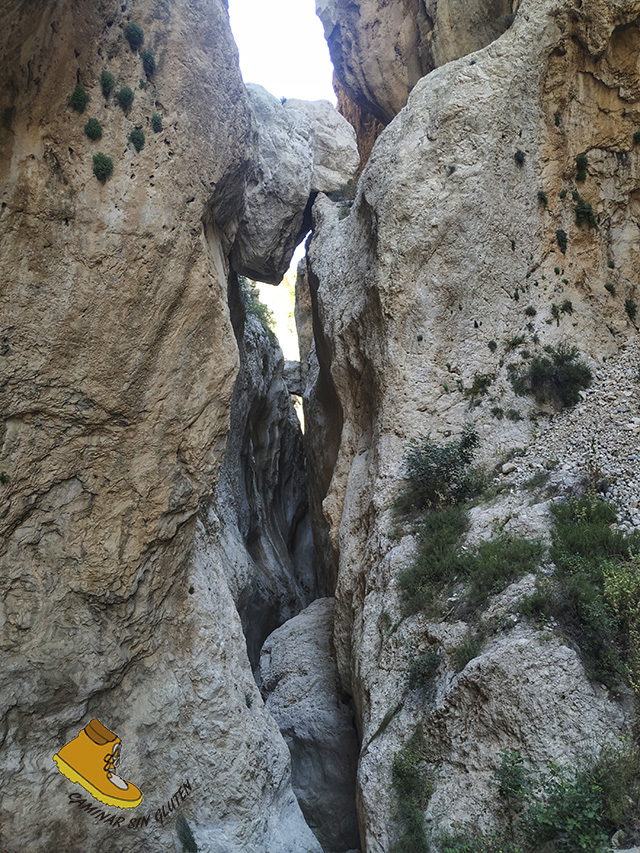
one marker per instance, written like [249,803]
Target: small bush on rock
[93,129]
[124,97]
[582,163]
[440,475]
[156,123]
[557,377]
[561,237]
[631,309]
[134,35]
[102,166]
[519,157]
[136,137]
[107,82]
[148,58]
[79,98]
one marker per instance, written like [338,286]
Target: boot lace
[111,761]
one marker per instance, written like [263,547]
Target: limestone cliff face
[453,234]
[118,363]
[380,50]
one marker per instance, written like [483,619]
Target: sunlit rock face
[380,50]
[421,289]
[303,148]
[118,368]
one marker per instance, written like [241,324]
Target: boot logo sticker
[91,759]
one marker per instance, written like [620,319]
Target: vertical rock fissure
[260,520]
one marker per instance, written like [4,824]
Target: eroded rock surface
[380,50]
[118,368]
[302,692]
[447,269]
[303,148]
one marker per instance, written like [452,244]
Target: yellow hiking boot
[90,759]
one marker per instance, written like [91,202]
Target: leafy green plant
[107,82]
[413,790]
[4,478]
[611,265]
[497,412]
[584,211]
[124,97]
[93,129]
[530,311]
[102,166]
[254,307]
[582,162]
[440,475]
[79,98]
[631,309]
[561,237]
[422,670]
[566,307]
[513,415]
[542,197]
[611,288]
[493,346]
[480,385]
[156,123]
[134,35]
[562,193]
[519,157]
[514,343]
[557,377]
[467,650]
[636,137]
[136,137]
[148,58]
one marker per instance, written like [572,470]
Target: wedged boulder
[303,148]
[301,689]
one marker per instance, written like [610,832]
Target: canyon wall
[124,372]
[450,267]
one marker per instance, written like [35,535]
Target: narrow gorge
[356,639]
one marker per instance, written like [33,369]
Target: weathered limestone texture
[422,289]
[302,689]
[303,148]
[380,50]
[258,525]
[118,363]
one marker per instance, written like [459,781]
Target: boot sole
[74,776]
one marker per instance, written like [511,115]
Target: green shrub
[136,137]
[636,137]
[467,650]
[582,163]
[566,307]
[124,97]
[440,475]
[561,237]
[631,309]
[497,412]
[437,561]
[254,307]
[562,193]
[79,98]
[611,288]
[493,346]
[148,58]
[514,343]
[413,790]
[530,311]
[156,123]
[93,129]
[107,82]
[611,265]
[102,166]
[513,415]
[422,670]
[557,377]
[4,478]
[480,385]
[616,772]
[492,564]
[542,197]
[134,35]
[584,211]
[519,157]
